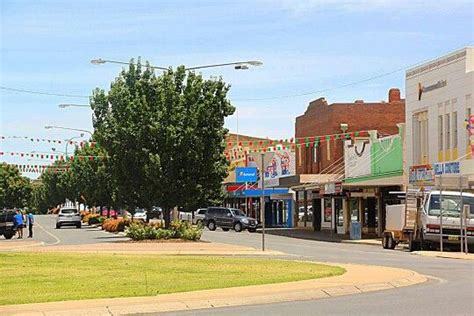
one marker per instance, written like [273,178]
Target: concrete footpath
[445,254]
[357,279]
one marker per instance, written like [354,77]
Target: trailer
[403,222]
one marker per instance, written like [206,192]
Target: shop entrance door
[317,214]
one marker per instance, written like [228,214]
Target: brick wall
[322,118]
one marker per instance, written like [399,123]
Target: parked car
[155,213]
[140,214]
[229,218]
[199,215]
[7,227]
[68,216]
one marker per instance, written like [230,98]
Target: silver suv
[68,217]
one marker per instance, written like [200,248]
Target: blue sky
[304,45]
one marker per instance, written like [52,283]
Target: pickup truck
[6,224]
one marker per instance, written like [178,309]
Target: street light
[64,105]
[238,65]
[68,128]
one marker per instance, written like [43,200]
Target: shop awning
[313,181]
[380,182]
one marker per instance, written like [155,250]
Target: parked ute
[417,222]
[68,216]
[229,218]
[7,227]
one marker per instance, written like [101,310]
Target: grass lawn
[46,277]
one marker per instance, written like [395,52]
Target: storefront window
[354,209]
[327,210]
[339,211]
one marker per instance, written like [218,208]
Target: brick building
[322,118]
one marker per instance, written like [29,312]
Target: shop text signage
[421,175]
[449,167]
[332,188]
[422,89]
[245,174]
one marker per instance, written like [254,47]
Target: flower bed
[115,225]
[177,230]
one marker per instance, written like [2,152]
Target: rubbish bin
[356,231]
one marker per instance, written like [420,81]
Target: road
[450,290]
[45,230]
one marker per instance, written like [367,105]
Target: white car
[140,214]
[199,216]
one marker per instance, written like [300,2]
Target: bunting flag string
[51,141]
[288,143]
[50,156]
[40,168]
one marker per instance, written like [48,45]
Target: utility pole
[461,211]
[262,202]
[441,212]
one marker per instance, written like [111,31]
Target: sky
[308,48]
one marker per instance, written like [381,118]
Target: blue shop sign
[449,167]
[245,174]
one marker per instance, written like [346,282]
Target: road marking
[50,234]
[436,278]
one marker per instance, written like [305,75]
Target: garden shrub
[178,230]
[96,219]
[115,225]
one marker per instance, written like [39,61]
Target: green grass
[46,277]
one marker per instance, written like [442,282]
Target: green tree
[164,137]
[57,185]
[15,190]
[90,178]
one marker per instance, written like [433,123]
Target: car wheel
[58,226]
[225,229]
[199,222]
[391,242]
[385,241]
[211,225]
[238,227]
[252,230]
[8,234]
[78,225]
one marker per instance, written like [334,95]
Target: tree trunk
[167,217]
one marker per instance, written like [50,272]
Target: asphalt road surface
[450,290]
[45,230]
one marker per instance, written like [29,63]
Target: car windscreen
[71,211]
[451,205]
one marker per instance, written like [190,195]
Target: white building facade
[439,101]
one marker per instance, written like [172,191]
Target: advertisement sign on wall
[421,175]
[280,163]
[357,159]
[245,174]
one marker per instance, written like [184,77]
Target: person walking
[30,220]
[19,223]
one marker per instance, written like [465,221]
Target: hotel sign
[422,89]
[421,175]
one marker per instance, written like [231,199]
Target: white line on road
[50,234]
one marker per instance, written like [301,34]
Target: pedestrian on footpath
[30,220]
[19,223]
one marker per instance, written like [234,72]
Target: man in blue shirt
[30,220]
[19,224]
